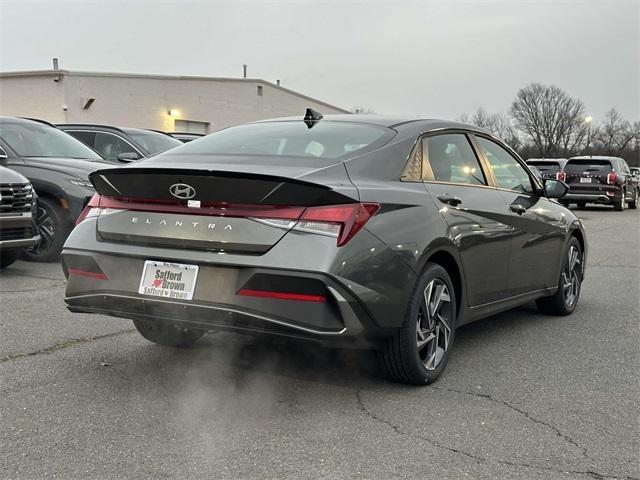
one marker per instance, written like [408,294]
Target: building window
[259,90]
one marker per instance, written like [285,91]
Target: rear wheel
[417,354]
[565,204]
[53,228]
[7,257]
[634,203]
[564,301]
[582,204]
[621,202]
[168,334]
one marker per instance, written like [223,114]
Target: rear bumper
[589,197]
[108,284]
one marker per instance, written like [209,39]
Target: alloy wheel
[433,325]
[47,230]
[571,276]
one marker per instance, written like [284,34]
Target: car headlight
[82,183]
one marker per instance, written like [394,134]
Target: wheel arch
[445,254]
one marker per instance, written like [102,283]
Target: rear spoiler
[175,184]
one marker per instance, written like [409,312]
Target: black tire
[168,334]
[53,227]
[582,204]
[564,204]
[417,355]
[633,204]
[7,257]
[561,303]
[620,203]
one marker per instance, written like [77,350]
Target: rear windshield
[579,166]
[324,140]
[546,167]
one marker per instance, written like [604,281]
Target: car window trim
[106,133]
[537,187]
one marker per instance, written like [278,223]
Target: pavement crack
[64,344]
[480,459]
[524,413]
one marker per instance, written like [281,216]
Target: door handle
[519,209]
[449,200]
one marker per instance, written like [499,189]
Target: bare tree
[615,134]
[551,119]
[497,123]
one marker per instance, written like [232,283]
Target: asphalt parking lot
[524,396]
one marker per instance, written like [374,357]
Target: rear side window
[591,166]
[326,139]
[450,158]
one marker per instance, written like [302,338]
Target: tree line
[546,122]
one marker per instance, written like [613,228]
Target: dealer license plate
[168,280]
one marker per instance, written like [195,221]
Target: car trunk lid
[245,210]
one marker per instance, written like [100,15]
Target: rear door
[537,223]
[476,214]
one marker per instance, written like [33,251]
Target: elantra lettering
[177,223]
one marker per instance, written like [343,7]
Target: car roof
[559,160]
[382,120]
[25,120]
[89,126]
[595,157]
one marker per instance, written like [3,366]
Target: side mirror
[126,157]
[555,188]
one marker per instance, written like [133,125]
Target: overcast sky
[436,59]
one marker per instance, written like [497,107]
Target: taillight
[91,209]
[341,221]
[611,178]
[562,176]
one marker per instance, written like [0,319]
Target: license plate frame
[585,179]
[176,281]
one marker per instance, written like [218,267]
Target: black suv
[116,144]
[58,166]
[17,213]
[549,168]
[600,179]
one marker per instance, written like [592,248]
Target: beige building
[162,102]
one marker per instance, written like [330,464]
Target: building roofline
[71,73]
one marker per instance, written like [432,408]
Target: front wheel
[168,334]
[417,354]
[634,203]
[53,228]
[565,299]
[7,257]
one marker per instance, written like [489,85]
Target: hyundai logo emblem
[182,191]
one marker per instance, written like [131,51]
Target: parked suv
[58,166]
[116,144]
[17,213]
[600,179]
[549,167]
